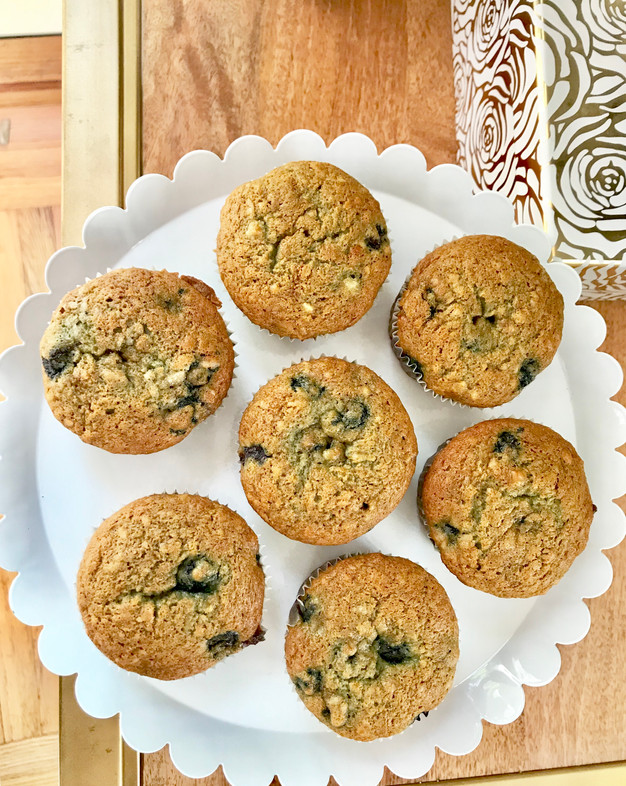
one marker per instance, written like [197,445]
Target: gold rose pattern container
[541,117]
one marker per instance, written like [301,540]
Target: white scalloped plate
[56,490]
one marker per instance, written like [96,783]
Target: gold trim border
[131,97]
[606,774]
[102,156]
[101,93]
[91,750]
[101,151]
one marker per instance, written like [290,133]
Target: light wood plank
[29,695]
[36,94]
[38,162]
[32,126]
[30,762]
[30,59]
[34,192]
[12,290]
[40,236]
[29,174]
[158,770]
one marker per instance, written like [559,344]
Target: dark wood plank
[214,71]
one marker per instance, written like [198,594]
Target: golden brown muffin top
[134,359]
[481,318]
[303,250]
[376,644]
[327,451]
[508,506]
[171,584]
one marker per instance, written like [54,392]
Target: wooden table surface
[214,71]
[30,198]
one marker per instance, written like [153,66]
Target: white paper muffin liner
[408,363]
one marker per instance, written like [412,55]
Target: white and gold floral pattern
[541,117]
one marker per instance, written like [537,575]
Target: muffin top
[508,506]
[303,250]
[480,318]
[327,451]
[375,644]
[170,584]
[134,359]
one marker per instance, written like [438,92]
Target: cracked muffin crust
[303,250]
[375,644]
[134,359]
[171,584]
[327,450]
[507,505]
[479,318]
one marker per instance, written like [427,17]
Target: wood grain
[29,60]
[214,72]
[30,114]
[30,762]
[30,168]
[28,693]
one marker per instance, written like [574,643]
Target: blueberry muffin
[134,359]
[327,450]
[303,250]
[171,584]
[478,320]
[507,505]
[374,644]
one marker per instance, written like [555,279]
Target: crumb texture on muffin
[375,645]
[508,506]
[134,359]
[480,318]
[171,584]
[303,250]
[327,451]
